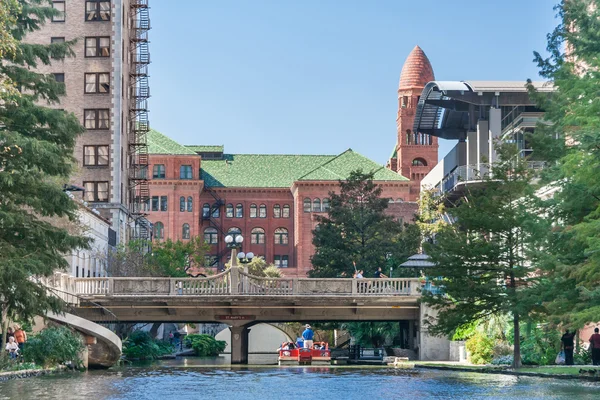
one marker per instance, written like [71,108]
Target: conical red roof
[417,70]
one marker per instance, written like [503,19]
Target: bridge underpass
[241,300]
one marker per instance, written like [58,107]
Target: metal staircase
[138,123]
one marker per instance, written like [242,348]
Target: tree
[573,67]
[36,148]
[357,230]
[488,261]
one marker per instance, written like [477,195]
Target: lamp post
[234,241]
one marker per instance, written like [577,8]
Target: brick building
[271,199]
[415,153]
[107,89]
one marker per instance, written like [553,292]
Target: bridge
[241,300]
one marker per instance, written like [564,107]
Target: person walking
[379,274]
[12,347]
[595,346]
[307,336]
[20,337]
[567,343]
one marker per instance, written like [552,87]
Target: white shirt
[12,346]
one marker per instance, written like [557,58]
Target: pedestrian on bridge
[379,274]
[308,335]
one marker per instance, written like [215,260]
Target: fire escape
[139,92]
[213,218]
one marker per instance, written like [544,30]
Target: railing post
[295,286]
[111,287]
[354,286]
[172,288]
[235,279]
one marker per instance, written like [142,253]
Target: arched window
[190,204]
[205,210]
[316,205]
[286,211]
[399,200]
[281,236]
[216,212]
[182,204]
[229,211]
[419,162]
[239,211]
[185,231]
[159,231]
[211,236]
[234,229]
[325,206]
[257,236]
[409,137]
[307,205]
[253,210]
[276,211]
[262,211]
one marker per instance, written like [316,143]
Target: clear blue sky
[320,76]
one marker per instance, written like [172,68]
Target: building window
[59,77]
[234,230]
[276,211]
[316,205]
[281,261]
[60,7]
[257,236]
[57,39]
[185,231]
[97,82]
[404,101]
[216,211]
[325,207]
[262,211]
[205,210]
[158,171]
[96,191]
[239,211]
[281,236]
[97,46]
[159,231]
[97,10]
[253,210]
[210,260]
[229,211]
[286,211]
[307,205]
[419,162]
[190,204]
[95,155]
[185,172]
[96,119]
[181,204]
[159,203]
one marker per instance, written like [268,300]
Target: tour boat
[291,354]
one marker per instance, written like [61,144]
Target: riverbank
[553,371]
[30,373]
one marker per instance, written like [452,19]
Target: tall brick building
[107,89]
[415,153]
[271,199]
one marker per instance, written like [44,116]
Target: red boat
[318,354]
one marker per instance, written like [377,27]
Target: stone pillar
[411,334]
[495,130]
[483,155]
[239,344]
[431,348]
[471,148]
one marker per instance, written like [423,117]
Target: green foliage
[7,364]
[573,295]
[465,331]
[54,346]
[357,230]
[139,345]
[481,348]
[373,334]
[36,158]
[205,345]
[259,267]
[540,346]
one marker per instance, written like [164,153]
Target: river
[191,378]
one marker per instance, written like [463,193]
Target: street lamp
[245,258]
[234,241]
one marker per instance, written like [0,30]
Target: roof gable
[161,144]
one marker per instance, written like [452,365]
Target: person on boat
[308,335]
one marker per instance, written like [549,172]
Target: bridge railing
[212,285]
[253,285]
[390,286]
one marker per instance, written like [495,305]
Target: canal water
[184,379]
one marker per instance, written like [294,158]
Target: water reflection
[195,378]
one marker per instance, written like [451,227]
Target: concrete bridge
[240,300]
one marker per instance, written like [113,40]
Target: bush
[141,346]
[503,360]
[502,349]
[481,348]
[540,347]
[582,357]
[205,345]
[54,346]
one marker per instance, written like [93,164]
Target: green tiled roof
[205,148]
[340,167]
[161,144]
[272,170]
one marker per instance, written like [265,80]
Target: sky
[321,76]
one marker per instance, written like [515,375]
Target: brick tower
[415,153]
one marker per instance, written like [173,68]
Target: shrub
[205,345]
[582,357]
[54,346]
[481,348]
[141,346]
[540,347]
[503,360]
[502,349]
